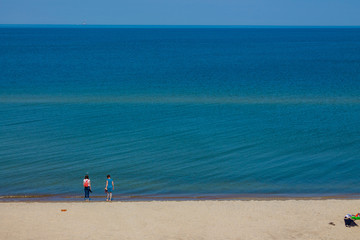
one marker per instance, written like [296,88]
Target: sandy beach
[250,219]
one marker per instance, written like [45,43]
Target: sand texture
[270,219]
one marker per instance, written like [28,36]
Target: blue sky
[182,12]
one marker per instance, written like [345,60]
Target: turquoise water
[180,111]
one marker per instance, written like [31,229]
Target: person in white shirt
[87,187]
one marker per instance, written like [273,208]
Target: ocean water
[179,111]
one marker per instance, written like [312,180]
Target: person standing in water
[87,187]
[109,187]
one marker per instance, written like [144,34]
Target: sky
[182,12]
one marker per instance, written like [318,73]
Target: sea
[179,112]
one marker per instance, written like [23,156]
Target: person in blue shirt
[109,187]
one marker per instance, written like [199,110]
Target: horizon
[177,25]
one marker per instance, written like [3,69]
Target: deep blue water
[180,111]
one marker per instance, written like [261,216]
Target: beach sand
[250,219]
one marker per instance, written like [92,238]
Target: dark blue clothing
[87,190]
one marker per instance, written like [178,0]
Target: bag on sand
[349,222]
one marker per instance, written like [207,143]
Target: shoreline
[178,197]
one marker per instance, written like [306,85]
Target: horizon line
[175,25]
